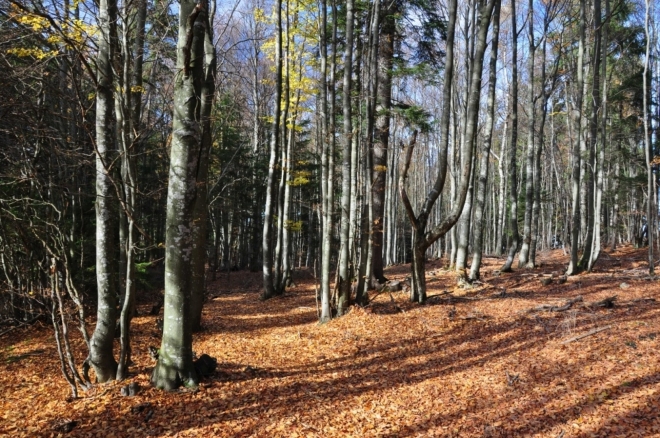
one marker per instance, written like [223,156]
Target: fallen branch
[584,335]
[642,300]
[471,315]
[436,296]
[607,302]
[551,308]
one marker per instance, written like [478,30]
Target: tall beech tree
[514,236]
[423,239]
[101,357]
[482,179]
[175,360]
[383,81]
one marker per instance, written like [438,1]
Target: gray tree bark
[523,257]
[385,41]
[651,213]
[601,121]
[482,180]
[594,118]
[344,259]
[101,356]
[573,267]
[175,360]
[327,159]
[513,147]
[201,212]
[267,244]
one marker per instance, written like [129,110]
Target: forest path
[470,363]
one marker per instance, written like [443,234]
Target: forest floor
[489,361]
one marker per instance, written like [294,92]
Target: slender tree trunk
[523,257]
[513,146]
[482,180]
[344,259]
[201,212]
[463,226]
[367,247]
[598,201]
[501,213]
[327,163]
[651,213]
[267,243]
[101,356]
[385,40]
[590,212]
[573,267]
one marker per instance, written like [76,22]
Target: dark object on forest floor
[562,279]
[389,286]
[250,369]
[607,303]
[131,389]
[205,365]
[141,407]
[546,281]
[500,294]
[552,308]
[65,426]
[155,309]
[153,352]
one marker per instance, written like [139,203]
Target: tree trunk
[175,359]
[383,80]
[529,158]
[344,259]
[423,239]
[513,146]
[482,180]
[573,267]
[327,161]
[651,213]
[598,201]
[201,212]
[590,212]
[101,356]
[267,244]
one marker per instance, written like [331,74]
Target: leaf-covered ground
[470,363]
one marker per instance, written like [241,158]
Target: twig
[584,335]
